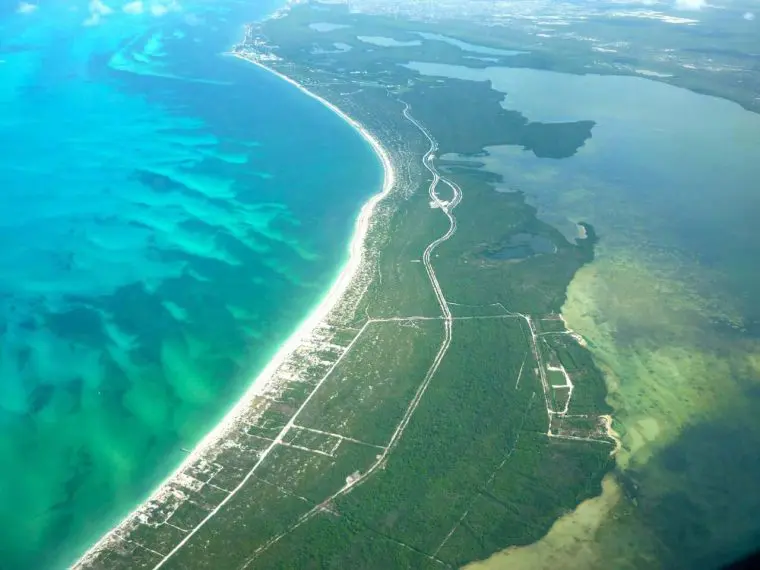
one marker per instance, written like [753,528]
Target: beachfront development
[434,409]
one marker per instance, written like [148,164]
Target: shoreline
[331,299]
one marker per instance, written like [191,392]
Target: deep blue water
[168,216]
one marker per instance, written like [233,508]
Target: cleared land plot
[551,326]
[366,394]
[162,538]
[315,476]
[237,459]
[128,556]
[590,391]
[202,470]
[255,514]
[209,496]
[306,438]
[556,379]
[590,426]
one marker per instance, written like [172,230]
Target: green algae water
[669,180]
[168,216]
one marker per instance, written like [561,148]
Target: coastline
[302,332]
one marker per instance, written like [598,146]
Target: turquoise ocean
[168,216]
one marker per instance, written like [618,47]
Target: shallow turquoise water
[167,217]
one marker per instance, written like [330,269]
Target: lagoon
[669,306]
[382,41]
[468,47]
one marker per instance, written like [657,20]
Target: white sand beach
[301,334]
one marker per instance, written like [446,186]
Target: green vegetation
[374,452]
[476,447]
[474,127]
[466,425]
[558,475]
[256,513]
[316,477]
[405,288]
[337,542]
[129,556]
[486,217]
[317,441]
[238,460]
[721,64]
[366,394]
[578,363]
[163,537]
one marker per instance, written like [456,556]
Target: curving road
[447,208]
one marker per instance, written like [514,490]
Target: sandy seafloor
[168,216]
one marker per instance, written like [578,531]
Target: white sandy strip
[319,314]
